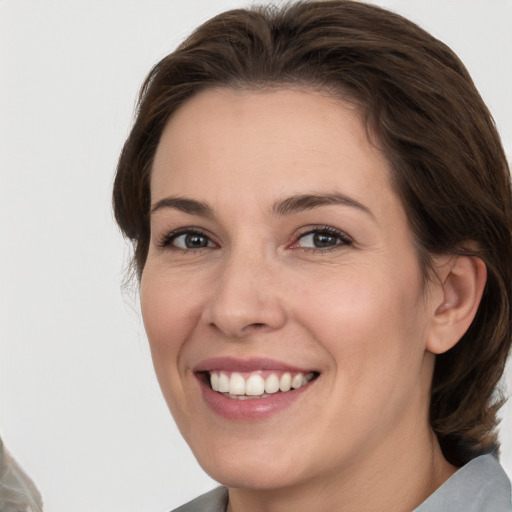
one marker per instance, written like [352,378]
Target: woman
[320,209]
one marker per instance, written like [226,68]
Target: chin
[256,468]
[244,475]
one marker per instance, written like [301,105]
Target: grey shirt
[479,486]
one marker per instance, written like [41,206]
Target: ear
[462,282]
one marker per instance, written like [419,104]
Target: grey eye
[318,240]
[192,241]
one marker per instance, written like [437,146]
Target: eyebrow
[287,206]
[185,205]
[302,202]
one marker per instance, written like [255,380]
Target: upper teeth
[253,384]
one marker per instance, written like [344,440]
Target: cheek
[365,318]
[374,332]
[170,309]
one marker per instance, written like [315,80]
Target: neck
[366,486]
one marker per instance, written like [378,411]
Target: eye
[187,240]
[322,238]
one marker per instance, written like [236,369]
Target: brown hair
[419,101]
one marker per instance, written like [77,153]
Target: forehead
[262,142]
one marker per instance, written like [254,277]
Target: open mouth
[256,385]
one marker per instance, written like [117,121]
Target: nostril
[257,325]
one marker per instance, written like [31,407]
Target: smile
[252,389]
[255,385]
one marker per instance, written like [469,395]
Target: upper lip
[246,365]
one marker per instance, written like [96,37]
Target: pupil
[324,240]
[195,241]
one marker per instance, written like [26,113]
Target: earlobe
[462,281]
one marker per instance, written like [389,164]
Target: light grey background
[79,405]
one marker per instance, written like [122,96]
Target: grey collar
[480,486]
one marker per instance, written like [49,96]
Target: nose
[245,298]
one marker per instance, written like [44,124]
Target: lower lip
[253,409]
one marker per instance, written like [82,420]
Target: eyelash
[167,240]
[344,239]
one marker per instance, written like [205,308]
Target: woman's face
[280,256]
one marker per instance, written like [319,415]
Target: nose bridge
[245,296]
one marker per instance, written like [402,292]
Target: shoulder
[213,501]
[480,486]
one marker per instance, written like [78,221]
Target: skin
[356,311]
